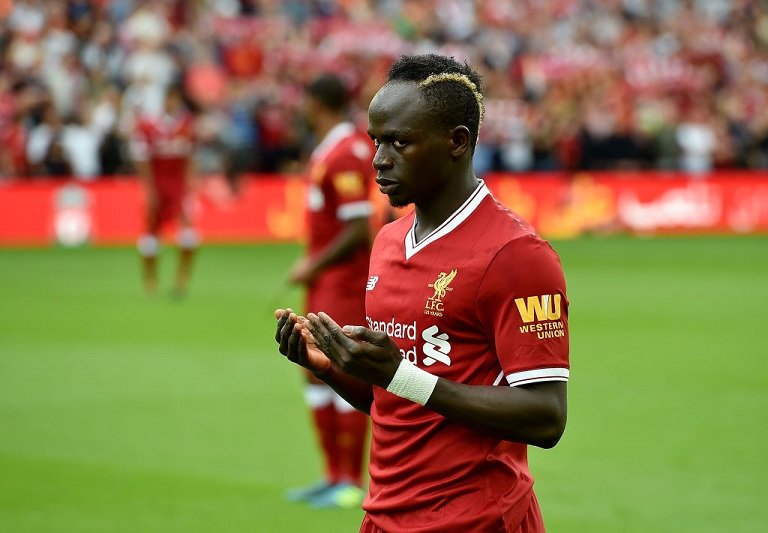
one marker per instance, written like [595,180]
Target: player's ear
[460,139]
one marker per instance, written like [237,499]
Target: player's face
[411,154]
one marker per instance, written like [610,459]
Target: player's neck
[442,204]
[325,124]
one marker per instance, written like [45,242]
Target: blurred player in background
[334,272]
[464,360]
[162,149]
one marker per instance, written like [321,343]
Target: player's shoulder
[396,230]
[354,147]
[510,233]
[504,224]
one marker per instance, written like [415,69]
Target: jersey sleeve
[523,307]
[349,177]
[139,141]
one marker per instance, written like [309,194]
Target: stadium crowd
[570,84]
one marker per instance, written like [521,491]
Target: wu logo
[436,348]
[434,305]
[540,308]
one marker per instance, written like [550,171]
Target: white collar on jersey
[332,138]
[450,223]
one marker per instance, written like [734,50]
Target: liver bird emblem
[441,284]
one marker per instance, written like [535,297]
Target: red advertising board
[271,207]
[111,211]
[643,203]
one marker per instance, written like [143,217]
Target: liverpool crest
[434,305]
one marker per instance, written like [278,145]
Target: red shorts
[532,523]
[170,197]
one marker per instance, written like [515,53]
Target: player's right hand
[370,356]
[297,344]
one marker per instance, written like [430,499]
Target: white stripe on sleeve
[538,375]
[354,210]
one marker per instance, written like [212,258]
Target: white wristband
[412,383]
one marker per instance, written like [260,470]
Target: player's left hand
[368,355]
[303,272]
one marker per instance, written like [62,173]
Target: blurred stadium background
[632,133]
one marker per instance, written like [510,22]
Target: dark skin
[354,234]
[432,169]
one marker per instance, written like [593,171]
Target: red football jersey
[339,176]
[166,142]
[480,301]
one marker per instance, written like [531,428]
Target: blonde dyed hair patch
[458,78]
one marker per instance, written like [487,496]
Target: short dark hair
[330,91]
[453,93]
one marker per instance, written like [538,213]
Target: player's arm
[534,414]
[191,172]
[139,151]
[143,171]
[348,185]
[298,345]
[354,235]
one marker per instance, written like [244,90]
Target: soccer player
[463,359]
[334,271]
[162,149]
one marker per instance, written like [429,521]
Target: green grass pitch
[122,413]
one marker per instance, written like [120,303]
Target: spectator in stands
[696,137]
[44,152]
[240,135]
[104,117]
[13,140]
[543,62]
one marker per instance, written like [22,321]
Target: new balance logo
[436,348]
[544,307]
[371,283]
